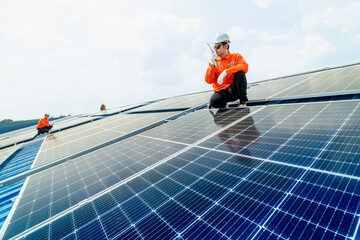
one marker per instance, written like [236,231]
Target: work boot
[242,105]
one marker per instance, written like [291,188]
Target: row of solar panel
[255,187]
[332,81]
[229,152]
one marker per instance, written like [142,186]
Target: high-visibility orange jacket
[232,63]
[44,122]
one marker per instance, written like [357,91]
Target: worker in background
[226,73]
[102,107]
[44,125]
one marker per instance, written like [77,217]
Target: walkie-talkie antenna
[210,47]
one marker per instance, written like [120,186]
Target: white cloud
[266,3]
[71,56]
[267,36]
[342,14]
[119,59]
[237,33]
[262,3]
[315,46]
[296,55]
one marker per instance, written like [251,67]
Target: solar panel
[14,139]
[249,173]
[84,137]
[195,126]
[336,80]
[325,82]
[7,152]
[72,122]
[179,102]
[112,111]
[60,124]
[54,190]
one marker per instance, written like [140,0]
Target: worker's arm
[241,65]
[47,123]
[212,74]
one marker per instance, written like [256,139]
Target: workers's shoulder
[236,55]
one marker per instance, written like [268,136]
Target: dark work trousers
[44,129]
[237,90]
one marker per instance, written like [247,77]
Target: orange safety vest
[232,63]
[44,122]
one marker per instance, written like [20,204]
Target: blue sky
[67,57]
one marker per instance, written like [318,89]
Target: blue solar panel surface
[286,171]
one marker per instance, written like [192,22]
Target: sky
[67,57]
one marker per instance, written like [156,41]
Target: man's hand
[213,57]
[221,77]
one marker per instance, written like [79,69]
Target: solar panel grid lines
[216,203]
[327,82]
[245,128]
[184,101]
[273,88]
[187,130]
[230,124]
[310,128]
[16,139]
[313,193]
[12,210]
[91,128]
[250,125]
[319,83]
[340,107]
[336,196]
[286,164]
[313,163]
[61,170]
[163,175]
[299,129]
[70,145]
[295,84]
[354,84]
[341,155]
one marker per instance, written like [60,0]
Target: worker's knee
[217,101]
[239,75]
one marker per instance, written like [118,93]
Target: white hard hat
[222,37]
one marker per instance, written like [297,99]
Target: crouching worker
[226,73]
[44,125]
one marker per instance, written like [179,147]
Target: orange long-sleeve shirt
[232,63]
[44,122]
